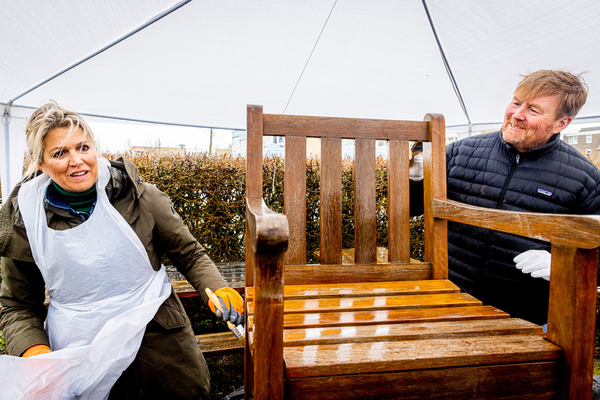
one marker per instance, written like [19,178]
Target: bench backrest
[331,132]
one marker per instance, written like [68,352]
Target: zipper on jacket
[488,243]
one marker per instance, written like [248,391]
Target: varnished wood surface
[376,303]
[377,357]
[337,319]
[398,202]
[579,231]
[219,344]
[355,273]
[526,381]
[364,289]
[269,231]
[365,213]
[331,201]
[268,346]
[572,315]
[413,331]
[295,198]
[434,186]
[324,127]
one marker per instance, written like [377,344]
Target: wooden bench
[400,329]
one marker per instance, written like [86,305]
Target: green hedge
[208,192]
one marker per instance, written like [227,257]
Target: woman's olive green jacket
[169,363]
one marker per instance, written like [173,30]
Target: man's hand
[232,305]
[534,262]
[36,350]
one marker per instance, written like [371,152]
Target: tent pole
[6,182]
[145,25]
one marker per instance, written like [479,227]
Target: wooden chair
[398,329]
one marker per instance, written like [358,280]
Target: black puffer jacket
[486,171]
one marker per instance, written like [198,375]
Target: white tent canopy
[200,62]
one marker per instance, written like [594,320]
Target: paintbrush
[239,330]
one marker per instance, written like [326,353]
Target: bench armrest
[572,302]
[269,232]
[580,231]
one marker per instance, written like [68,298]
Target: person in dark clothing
[523,167]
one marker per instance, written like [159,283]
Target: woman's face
[70,162]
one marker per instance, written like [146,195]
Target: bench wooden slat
[349,318]
[295,198]
[331,201]
[357,358]
[376,303]
[414,331]
[363,289]
[527,381]
[219,344]
[398,202]
[356,273]
[324,127]
[365,218]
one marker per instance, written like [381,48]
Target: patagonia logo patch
[544,192]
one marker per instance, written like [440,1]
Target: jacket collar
[533,153]
[123,175]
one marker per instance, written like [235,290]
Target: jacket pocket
[171,314]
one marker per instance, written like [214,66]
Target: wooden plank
[355,273]
[378,357]
[295,198]
[219,344]
[572,316]
[331,201]
[326,127]
[398,203]
[254,161]
[268,346]
[434,186]
[414,331]
[526,381]
[580,231]
[248,356]
[364,289]
[377,303]
[350,318]
[365,218]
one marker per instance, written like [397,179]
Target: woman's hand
[36,350]
[232,305]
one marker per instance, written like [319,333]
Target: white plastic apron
[103,292]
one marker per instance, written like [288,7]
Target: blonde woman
[92,234]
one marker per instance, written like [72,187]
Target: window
[381,142]
[588,151]
[588,138]
[572,139]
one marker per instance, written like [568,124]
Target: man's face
[531,123]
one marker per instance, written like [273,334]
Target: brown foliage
[208,192]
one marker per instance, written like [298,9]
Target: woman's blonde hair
[43,120]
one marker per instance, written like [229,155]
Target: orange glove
[36,350]
[232,305]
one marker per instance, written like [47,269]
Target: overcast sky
[116,137]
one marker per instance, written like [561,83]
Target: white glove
[534,262]
[415,171]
